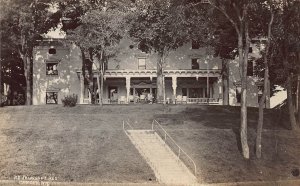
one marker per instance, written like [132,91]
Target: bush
[69,101]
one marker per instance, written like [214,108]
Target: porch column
[81,88]
[127,88]
[174,86]
[207,87]
[220,90]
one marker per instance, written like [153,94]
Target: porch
[139,87]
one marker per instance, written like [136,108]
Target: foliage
[22,24]
[160,26]
[12,70]
[285,43]
[70,100]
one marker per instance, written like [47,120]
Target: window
[52,51]
[51,97]
[142,63]
[250,49]
[195,64]
[51,68]
[238,93]
[195,44]
[250,68]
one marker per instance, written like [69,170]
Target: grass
[87,143]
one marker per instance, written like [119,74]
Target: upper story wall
[181,58]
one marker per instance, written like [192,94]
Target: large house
[191,75]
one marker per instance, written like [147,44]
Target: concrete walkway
[167,167]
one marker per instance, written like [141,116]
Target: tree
[12,73]
[159,26]
[238,14]
[266,83]
[286,36]
[22,23]
[99,31]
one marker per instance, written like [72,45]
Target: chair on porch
[184,99]
[142,98]
[150,98]
[122,100]
[178,99]
[114,98]
[131,98]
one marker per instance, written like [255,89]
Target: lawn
[87,143]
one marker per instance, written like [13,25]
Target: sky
[56,33]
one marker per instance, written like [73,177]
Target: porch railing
[203,100]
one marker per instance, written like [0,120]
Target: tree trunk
[243,59]
[298,86]
[262,104]
[225,82]
[101,86]
[159,81]
[98,91]
[101,61]
[27,67]
[0,83]
[298,97]
[290,103]
[265,96]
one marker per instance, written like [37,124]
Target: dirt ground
[87,143]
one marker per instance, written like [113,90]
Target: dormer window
[52,51]
[141,63]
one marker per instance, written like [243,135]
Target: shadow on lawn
[228,117]
[223,117]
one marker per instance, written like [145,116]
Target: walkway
[167,167]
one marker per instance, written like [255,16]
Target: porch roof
[167,73]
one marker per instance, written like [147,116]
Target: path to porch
[168,167]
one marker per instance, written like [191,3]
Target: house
[191,75]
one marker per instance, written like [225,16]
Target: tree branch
[234,24]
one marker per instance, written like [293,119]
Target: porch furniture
[150,98]
[168,101]
[114,98]
[184,99]
[142,98]
[122,100]
[131,98]
[178,99]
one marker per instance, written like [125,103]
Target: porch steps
[167,167]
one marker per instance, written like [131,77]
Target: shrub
[70,100]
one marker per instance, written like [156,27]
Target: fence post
[152,124]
